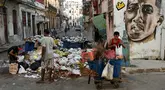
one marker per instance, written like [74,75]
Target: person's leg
[50,75]
[43,66]
[42,76]
[50,68]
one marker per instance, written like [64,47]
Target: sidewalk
[5,47]
[145,66]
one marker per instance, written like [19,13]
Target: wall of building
[144,29]
[2,28]
[52,10]
[12,5]
[163,32]
[73,11]
[26,29]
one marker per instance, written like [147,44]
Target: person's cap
[20,49]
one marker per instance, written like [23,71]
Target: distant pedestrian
[48,44]
[66,31]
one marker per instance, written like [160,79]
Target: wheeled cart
[98,66]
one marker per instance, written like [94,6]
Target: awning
[39,19]
[99,22]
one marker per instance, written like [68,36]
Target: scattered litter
[32,76]
[13,83]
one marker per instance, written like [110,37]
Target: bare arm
[122,44]
[11,53]
[43,52]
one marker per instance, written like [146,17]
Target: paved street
[150,81]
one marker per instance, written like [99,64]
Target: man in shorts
[48,45]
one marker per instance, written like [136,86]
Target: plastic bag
[110,54]
[119,54]
[20,58]
[21,70]
[119,51]
[108,72]
[34,66]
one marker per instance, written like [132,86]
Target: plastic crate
[29,46]
[97,66]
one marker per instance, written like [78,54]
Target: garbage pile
[73,42]
[74,39]
[68,60]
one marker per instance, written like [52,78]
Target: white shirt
[48,43]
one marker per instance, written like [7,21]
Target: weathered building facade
[21,19]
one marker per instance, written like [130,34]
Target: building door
[15,22]
[33,23]
[24,24]
[38,29]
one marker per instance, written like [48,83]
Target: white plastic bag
[20,58]
[21,70]
[108,72]
[119,51]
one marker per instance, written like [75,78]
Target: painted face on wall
[141,18]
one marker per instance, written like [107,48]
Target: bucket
[117,67]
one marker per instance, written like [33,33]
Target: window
[15,21]
[29,19]
[24,18]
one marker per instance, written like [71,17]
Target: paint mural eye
[148,9]
[132,8]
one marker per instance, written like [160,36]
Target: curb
[134,71]
[6,48]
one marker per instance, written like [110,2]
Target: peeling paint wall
[142,20]
[10,7]
[2,30]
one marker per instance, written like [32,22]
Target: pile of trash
[70,62]
[74,39]
[67,62]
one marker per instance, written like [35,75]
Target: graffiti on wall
[141,18]
[120,5]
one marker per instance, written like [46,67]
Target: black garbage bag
[25,65]
[34,66]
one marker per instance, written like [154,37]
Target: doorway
[3,26]
[33,23]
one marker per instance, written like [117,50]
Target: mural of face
[141,18]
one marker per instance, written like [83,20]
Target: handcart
[98,66]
